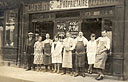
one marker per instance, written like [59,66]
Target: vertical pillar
[118,41]
[24,33]
[126,41]
[1,31]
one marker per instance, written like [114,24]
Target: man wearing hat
[29,50]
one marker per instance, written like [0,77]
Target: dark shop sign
[100,12]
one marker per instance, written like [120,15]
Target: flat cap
[30,33]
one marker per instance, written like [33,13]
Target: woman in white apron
[91,52]
[56,54]
[47,60]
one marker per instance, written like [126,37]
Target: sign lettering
[68,4]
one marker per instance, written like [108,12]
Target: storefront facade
[87,16]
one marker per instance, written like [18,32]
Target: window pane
[11,28]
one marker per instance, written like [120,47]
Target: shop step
[8,63]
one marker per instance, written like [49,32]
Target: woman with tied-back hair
[47,60]
[38,53]
[57,53]
[91,52]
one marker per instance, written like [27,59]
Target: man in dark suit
[29,50]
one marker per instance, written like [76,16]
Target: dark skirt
[47,60]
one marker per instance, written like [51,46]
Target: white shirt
[106,40]
[68,42]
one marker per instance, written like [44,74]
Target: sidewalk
[20,73]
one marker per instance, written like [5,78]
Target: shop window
[72,26]
[10,28]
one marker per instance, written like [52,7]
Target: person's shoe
[37,70]
[58,72]
[28,69]
[40,69]
[63,73]
[54,71]
[100,78]
[71,73]
[83,75]
[88,71]
[97,76]
[76,75]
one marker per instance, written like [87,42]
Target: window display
[11,28]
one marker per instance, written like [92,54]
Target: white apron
[57,52]
[91,52]
[67,55]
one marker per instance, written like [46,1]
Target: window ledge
[8,47]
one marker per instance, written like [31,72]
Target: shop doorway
[96,26]
[44,27]
[91,26]
[88,27]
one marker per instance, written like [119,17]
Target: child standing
[91,52]
[56,54]
[38,53]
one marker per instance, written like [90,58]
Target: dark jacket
[29,46]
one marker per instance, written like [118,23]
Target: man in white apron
[102,51]
[67,54]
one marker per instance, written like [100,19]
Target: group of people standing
[58,53]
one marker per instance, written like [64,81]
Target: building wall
[10,34]
[118,41]
[1,40]
[126,42]
[119,46]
